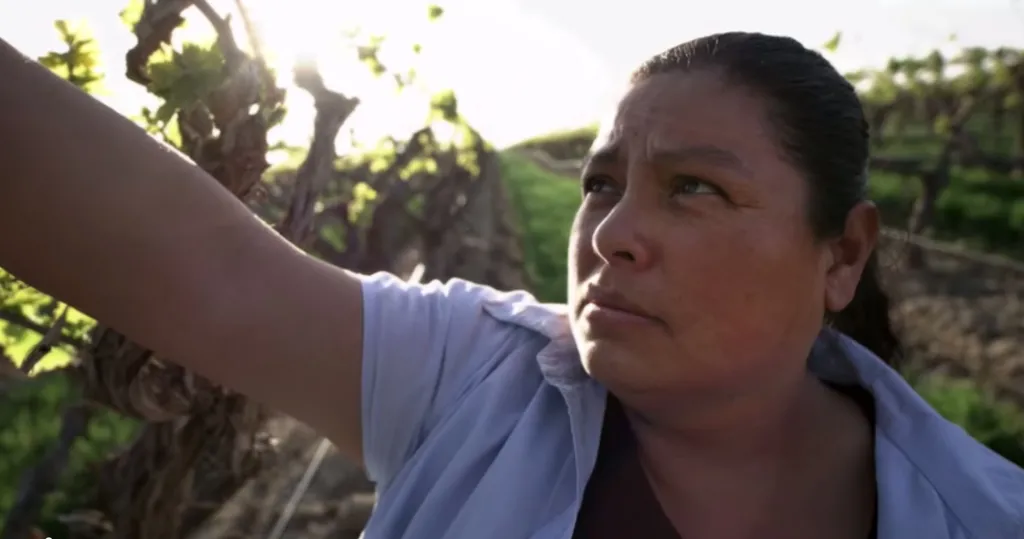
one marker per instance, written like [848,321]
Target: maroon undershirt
[618,501]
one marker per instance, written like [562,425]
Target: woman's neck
[730,466]
[736,422]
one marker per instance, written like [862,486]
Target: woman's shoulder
[933,477]
[518,308]
[427,347]
[467,328]
[919,450]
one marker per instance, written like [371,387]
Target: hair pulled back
[820,127]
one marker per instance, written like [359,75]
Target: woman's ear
[849,255]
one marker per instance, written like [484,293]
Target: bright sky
[524,67]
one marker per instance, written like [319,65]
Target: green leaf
[332,234]
[165,112]
[434,12]
[368,55]
[52,60]
[444,106]
[79,62]
[362,196]
[833,44]
[132,13]
[62,28]
[14,331]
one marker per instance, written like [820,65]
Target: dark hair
[821,129]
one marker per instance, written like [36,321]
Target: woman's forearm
[101,215]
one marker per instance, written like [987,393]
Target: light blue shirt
[479,422]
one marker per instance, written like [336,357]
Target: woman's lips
[604,316]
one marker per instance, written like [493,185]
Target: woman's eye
[597,184]
[690,185]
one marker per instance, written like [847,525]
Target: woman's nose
[620,238]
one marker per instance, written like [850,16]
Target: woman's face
[692,216]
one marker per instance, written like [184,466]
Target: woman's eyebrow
[705,153]
[607,155]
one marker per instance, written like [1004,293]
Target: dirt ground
[963,315]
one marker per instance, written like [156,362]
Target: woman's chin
[615,367]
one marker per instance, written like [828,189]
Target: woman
[720,370]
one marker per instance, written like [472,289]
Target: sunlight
[310,29]
[515,73]
[487,55]
[518,67]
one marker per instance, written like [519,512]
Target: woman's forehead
[684,114]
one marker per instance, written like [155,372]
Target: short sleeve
[421,342]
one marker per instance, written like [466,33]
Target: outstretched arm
[96,212]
